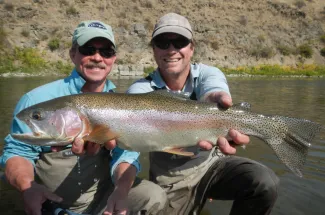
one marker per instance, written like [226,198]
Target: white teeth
[174,60]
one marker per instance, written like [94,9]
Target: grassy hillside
[228,33]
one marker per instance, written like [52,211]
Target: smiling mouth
[171,60]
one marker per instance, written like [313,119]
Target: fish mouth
[42,139]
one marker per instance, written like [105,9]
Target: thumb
[52,196]
[110,145]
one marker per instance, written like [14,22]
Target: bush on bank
[278,70]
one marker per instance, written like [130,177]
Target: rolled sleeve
[14,147]
[212,80]
[124,156]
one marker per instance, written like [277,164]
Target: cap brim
[93,33]
[173,29]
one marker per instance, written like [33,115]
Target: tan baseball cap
[173,23]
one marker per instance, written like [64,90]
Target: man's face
[90,64]
[171,59]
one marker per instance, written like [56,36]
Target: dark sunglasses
[90,50]
[164,43]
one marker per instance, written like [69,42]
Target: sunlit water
[295,97]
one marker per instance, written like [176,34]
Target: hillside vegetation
[228,33]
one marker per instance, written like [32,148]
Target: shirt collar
[76,82]
[158,81]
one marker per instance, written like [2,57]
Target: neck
[176,81]
[93,87]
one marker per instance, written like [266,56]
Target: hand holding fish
[117,202]
[80,147]
[224,100]
[35,196]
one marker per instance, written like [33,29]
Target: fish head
[50,126]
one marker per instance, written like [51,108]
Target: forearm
[124,176]
[19,172]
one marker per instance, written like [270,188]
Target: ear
[72,53]
[113,59]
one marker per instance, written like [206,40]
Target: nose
[97,57]
[171,49]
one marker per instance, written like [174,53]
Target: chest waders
[184,179]
[82,181]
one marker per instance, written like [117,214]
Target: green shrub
[214,45]
[72,11]
[25,32]
[9,7]
[243,20]
[3,35]
[322,52]
[300,3]
[305,51]
[148,70]
[29,59]
[285,50]
[62,68]
[262,52]
[54,44]
[322,38]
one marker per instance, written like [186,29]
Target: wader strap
[192,97]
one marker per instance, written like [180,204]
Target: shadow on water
[295,97]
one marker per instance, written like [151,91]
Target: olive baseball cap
[90,29]
[173,23]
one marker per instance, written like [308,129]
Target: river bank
[134,71]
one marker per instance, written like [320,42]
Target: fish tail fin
[292,145]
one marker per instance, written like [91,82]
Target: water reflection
[298,97]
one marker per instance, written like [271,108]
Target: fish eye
[36,115]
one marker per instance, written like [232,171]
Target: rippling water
[295,97]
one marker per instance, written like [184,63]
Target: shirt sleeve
[211,80]
[14,147]
[124,156]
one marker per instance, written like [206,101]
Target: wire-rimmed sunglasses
[164,43]
[90,50]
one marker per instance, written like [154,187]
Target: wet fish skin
[160,121]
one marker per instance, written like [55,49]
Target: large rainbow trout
[161,121]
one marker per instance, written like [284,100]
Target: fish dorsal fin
[100,134]
[178,151]
[173,94]
[242,106]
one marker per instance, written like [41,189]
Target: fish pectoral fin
[178,151]
[101,134]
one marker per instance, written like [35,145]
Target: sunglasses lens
[162,43]
[178,43]
[107,53]
[89,51]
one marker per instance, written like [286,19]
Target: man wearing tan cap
[188,182]
[53,180]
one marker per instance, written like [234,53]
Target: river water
[295,97]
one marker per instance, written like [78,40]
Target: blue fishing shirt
[63,87]
[203,79]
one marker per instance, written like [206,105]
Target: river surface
[296,97]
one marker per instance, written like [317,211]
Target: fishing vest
[180,175]
[167,169]
[82,181]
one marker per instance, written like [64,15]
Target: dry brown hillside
[228,32]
